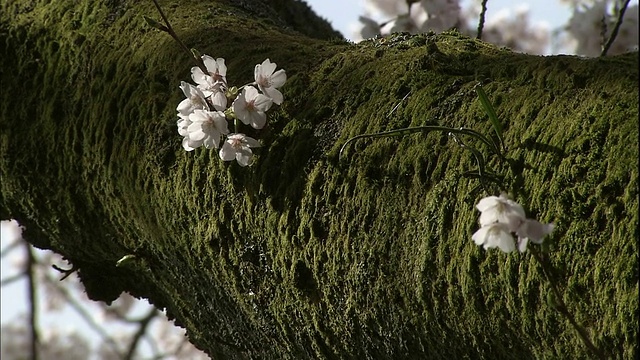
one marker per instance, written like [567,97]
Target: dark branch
[483,12]
[614,33]
[66,273]
[33,302]
[144,323]
[173,34]
[11,279]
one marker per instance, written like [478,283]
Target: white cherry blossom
[205,128]
[238,147]
[501,209]
[500,218]
[495,235]
[532,230]
[216,78]
[195,99]
[219,100]
[250,107]
[269,81]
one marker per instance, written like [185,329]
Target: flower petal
[258,119]
[251,142]
[278,78]
[244,157]
[219,101]
[185,144]
[522,244]
[227,153]
[267,67]
[249,92]
[495,235]
[274,94]
[262,102]
[534,230]
[486,203]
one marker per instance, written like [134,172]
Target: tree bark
[306,254]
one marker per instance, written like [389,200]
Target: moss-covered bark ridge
[305,255]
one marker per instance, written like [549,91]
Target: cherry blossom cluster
[500,219]
[203,117]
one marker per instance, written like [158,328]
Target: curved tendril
[476,154]
[425,128]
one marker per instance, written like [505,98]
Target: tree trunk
[306,254]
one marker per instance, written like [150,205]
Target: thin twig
[562,307]
[144,323]
[33,302]
[425,128]
[398,104]
[173,34]
[614,33]
[13,278]
[10,247]
[483,12]
[476,154]
[66,272]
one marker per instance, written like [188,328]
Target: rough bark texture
[305,255]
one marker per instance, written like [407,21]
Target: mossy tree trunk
[305,255]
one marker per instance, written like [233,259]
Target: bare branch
[173,34]
[144,323]
[10,247]
[483,12]
[11,279]
[33,301]
[84,314]
[614,33]
[66,272]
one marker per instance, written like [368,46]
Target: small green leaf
[126,260]
[488,108]
[153,23]
[196,54]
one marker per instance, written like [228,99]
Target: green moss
[305,255]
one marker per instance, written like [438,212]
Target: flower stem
[562,307]
[425,128]
[173,34]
